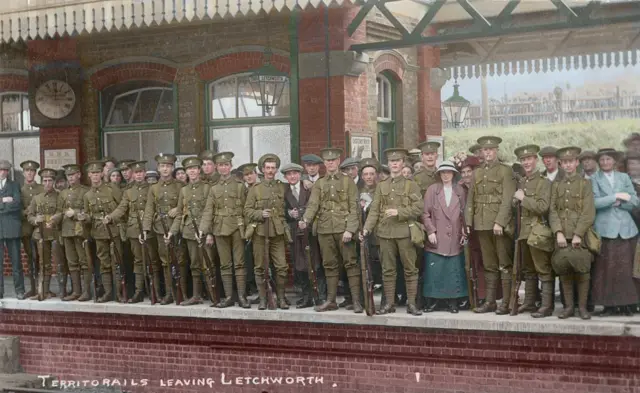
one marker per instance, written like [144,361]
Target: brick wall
[339,358]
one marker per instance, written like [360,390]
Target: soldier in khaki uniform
[41,214]
[266,200]
[69,207]
[162,207]
[397,203]
[489,213]
[334,204]
[29,190]
[223,218]
[534,193]
[99,200]
[132,206]
[250,178]
[209,173]
[571,214]
[427,175]
[127,172]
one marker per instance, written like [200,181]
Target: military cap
[568,153]
[47,172]
[137,165]
[269,156]
[429,146]
[548,151]
[151,174]
[109,159]
[330,153]
[291,167]
[369,162]
[70,169]
[29,164]
[633,137]
[526,151]
[60,175]
[124,164]
[311,159]
[4,164]
[396,153]
[164,158]
[489,141]
[224,156]
[349,162]
[474,149]
[191,162]
[415,152]
[95,166]
[587,154]
[385,169]
[613,153]
[248,168]
[206,155]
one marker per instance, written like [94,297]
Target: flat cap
[396,153]
[291,167]
[633,137]
[206,155]
[489,141]
[4,164]
[124,164]
[248,168]
[138,165]
[165,158]
[526,151]
[29,164]
[548,151]
[330,153]
[369,162]
[191,161]
[311,159]
[70,169]
[349,162]
[474,148]
[224,156]
[151,174]
[60,175]
[429,146]
[95,166]
[270,157]
[568,153]
[588,154]
[47,172]
[613,153]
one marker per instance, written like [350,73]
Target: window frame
[131,131]
[21,131]
[391,121]
[15,166]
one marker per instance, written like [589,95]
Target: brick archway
[391,62]
[125,72]
[234,63]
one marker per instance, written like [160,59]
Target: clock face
[55,99]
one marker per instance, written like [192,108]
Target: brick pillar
[190,111]
[348,81]
[429,102]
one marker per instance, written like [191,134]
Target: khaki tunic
[98,202]
[73,232]
[27,192]
[192,199]
[44,204]
[425,177]
[572,212]
[163,196]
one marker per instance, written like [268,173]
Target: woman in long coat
[615,198]
[444,274]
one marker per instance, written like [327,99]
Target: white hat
[447,166]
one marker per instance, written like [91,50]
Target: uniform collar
[533,175]
[336,175]
[397,179]
[490,164]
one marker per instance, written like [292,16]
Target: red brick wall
[235,63]
[62,138]
[354,358]
[16,83]
[429,103]
[132,71]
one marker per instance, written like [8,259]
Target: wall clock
[55,99]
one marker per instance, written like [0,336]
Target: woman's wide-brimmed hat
[446,166]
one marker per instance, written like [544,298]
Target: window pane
[6,149]
[272,139]
[165,109]
[122,145]
[25,149]
[235,140]
[224,99]
[11,112]
[284,104]
[154,142]
[147,105]
[122,109]
[247,105]
[26,115]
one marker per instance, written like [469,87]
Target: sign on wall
[56,158]
[361,147]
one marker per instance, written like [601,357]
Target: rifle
[118,257]
[469,265]
[175,269]
[61,263]
[365,268]
[517,266]
[146,263]
[41,294]
[34,271]
[311,270]
[271,301]
[209,268]
[92,268]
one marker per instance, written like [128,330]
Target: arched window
[19,140]
[386,94]
[236,123]
[138,120]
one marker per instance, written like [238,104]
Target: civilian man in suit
[10,228]
[311,163]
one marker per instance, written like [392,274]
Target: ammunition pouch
[592,241]
[417,231]
[541,237]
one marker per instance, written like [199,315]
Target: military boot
[107,283]
[503,309]
[547,299]
[156,283]
[47,287]
[168,287]
[262,293]
[489,304]
[354,286]
[86,286]
[184,280]
[567,291]
[412,291]
[280,288]
[32,287]
[75,281]
[389,286]
[530,291]
[138,295]
[583,295]
[118,288]
[227,283]
[241,282]
[332,292]
[197,291]
[63,285]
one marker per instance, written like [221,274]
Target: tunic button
[392,189]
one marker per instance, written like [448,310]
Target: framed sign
[56,158]
[360,147]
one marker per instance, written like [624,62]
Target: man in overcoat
[10,228]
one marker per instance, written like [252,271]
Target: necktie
[295,192]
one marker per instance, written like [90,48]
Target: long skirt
[444,277]
[612,281]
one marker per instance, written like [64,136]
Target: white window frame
[384,91]
[139,92]
[22,95]
[106,133]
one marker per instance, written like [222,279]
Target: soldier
[350,168]
[250,178]
[98,201]
[125,170]
[41,214]
[571,213]
[369,168]
[489,213]
[334,204]
[534,192]
[550,161]
[476,150]
[427,176]
[266,200]
[223,218]
[311,164]
[109,164]
[396,204]
[209,172]
[27,192]
[70,206]
[151,177]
